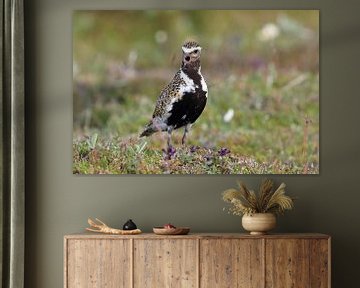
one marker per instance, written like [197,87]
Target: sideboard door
[231,263]
[297,263]
[320,263]
[287,263]
[170,263]
[100,263]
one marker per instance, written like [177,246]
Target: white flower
[228,115]
[161,36]
[269,32]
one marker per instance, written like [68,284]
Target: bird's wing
[168,95]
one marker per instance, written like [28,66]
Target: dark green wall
[58,203]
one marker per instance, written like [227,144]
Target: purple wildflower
[223,151]
[169,152]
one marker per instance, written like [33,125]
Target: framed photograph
[196,92]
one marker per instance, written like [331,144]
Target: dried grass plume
[267,200]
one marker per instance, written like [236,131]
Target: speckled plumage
[169,94]
[182,101]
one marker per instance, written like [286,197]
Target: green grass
[133,156]
[274,131]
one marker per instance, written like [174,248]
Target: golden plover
[183,100]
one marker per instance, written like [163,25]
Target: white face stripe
[189,50]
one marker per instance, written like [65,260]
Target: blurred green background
[261,67]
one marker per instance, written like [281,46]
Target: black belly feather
[190,105]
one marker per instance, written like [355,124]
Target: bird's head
[191,56]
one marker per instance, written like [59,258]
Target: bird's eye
[196,51]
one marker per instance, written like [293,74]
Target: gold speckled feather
[168,95]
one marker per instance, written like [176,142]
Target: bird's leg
[169,131]
[186,130]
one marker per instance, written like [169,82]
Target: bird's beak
[186,57]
